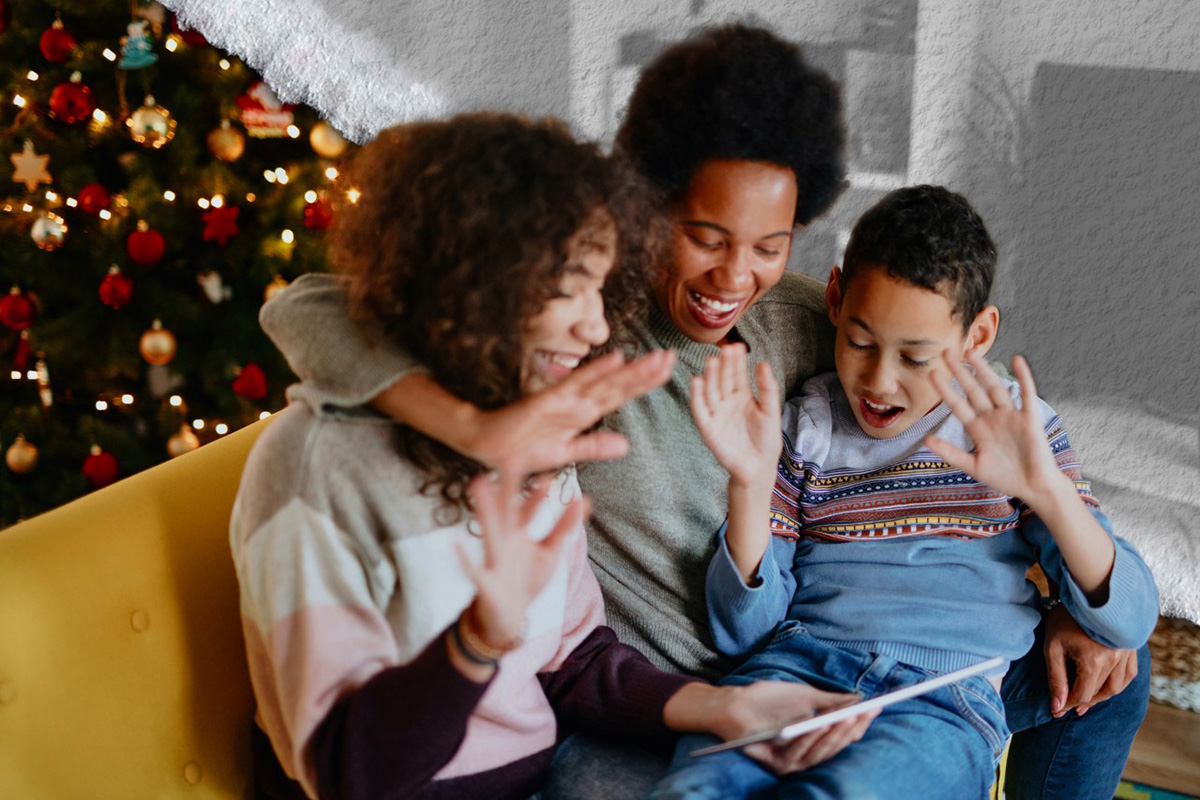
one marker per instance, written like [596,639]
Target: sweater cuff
[725,581]
[1128,615]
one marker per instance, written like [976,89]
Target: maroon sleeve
[391,735]
[610,688]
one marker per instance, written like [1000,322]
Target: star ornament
[30,168]
[220,224]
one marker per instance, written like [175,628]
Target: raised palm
[1011,452]
[741,430]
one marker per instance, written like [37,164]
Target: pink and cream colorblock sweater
[349,581]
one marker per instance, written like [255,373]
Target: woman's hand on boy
[741,430]
[1011,452]
[1100,672]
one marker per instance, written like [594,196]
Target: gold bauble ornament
[326,141]
[226,142]
[48,231]
[22,456]
[277,285]
[151,125]
[182,442]
[157,345]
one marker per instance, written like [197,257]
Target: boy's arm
[348,364]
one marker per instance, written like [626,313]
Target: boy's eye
[766,251]
[916,363]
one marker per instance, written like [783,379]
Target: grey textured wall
[1073,126]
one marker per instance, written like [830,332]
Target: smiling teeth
[571,362]
[715,305]
[876,406]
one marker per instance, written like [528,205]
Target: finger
[741,370]
[953,455]
[996,389]
[572,518]
[698,401]
[1056,677]
[1028,387]
[482,491]
[538,489]
[839,737]
[1088,680]
[953,399]
[607,391]
[729,365]
[597,446]
[507,494]
[978,398]
[768,391]
[712,383]
[468,565]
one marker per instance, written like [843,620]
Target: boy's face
[890,336]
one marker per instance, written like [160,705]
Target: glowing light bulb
[169,196]
[202,202]
[331,173]
[353,196]
[101,405]
[105,214]
[310,196]
[18,101]
[198,424]
[293,131]
[221,429]
[109,54]
[176,400]
[33,76]
[224,63]
[287,236]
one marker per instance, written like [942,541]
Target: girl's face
[572,321]
[732,235]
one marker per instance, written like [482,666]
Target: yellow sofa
[122,668]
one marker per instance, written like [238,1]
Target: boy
[891,541]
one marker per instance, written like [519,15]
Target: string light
[353,196]
[171,43]
[109,54]
[251,197]
[33,76]
[269,175]
[221,429]
[101,405]
[72,202]
[176,400]
[293,131]
[100,116]
[105,214]
[224,63]
[51,196]
[169,196]
[31,375]
[202,202]
[127,399]
[331,173]
[18,101]
[264,415]
[310,196]
[281,175]
[27,208]
[198,424]
[15,375]
[287,236]
[218,201]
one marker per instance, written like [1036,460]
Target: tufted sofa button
[139,620]
[192,773]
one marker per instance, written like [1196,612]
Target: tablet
[845,712]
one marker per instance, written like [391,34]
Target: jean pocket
[980,705]
[786,630]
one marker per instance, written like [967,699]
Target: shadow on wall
[1107,295]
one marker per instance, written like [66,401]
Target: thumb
[1056,676]
[822,701]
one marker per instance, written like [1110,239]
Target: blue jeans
[943,744]
[1073,758]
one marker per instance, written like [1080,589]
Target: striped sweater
[881,546]
[349,581]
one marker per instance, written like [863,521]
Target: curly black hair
[930,237]
[458,236]
[739,93]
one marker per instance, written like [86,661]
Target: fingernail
[1082,710]
[1056,706]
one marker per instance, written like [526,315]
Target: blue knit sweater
[879,545]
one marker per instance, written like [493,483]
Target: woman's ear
[982,333]
[833,294]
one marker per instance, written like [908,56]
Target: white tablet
[830,717]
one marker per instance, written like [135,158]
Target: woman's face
[730,244]
[572,321]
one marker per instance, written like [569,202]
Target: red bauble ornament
[17,310]
[220,224]
[72,102]
[116,290]
[251,383]
[145,245]
[56,43]
[100,468]
[189,35]
[318,215]
[94,198]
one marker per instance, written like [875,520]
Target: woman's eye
[705,245]
[855,345]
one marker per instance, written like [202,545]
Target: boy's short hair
[930,237]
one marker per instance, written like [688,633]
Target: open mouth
[555,365]
[878,415]
[712,312]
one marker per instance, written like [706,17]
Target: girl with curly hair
[743,141]
[415,626]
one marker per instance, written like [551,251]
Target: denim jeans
[943,744]
[1073,758]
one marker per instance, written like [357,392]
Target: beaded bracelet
[469,653]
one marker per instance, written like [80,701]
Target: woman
[415,628]
[744,142]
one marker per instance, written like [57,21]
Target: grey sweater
[657,512]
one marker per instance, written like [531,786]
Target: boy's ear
[982,333]
[833,294]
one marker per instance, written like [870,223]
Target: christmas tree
[157,193]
